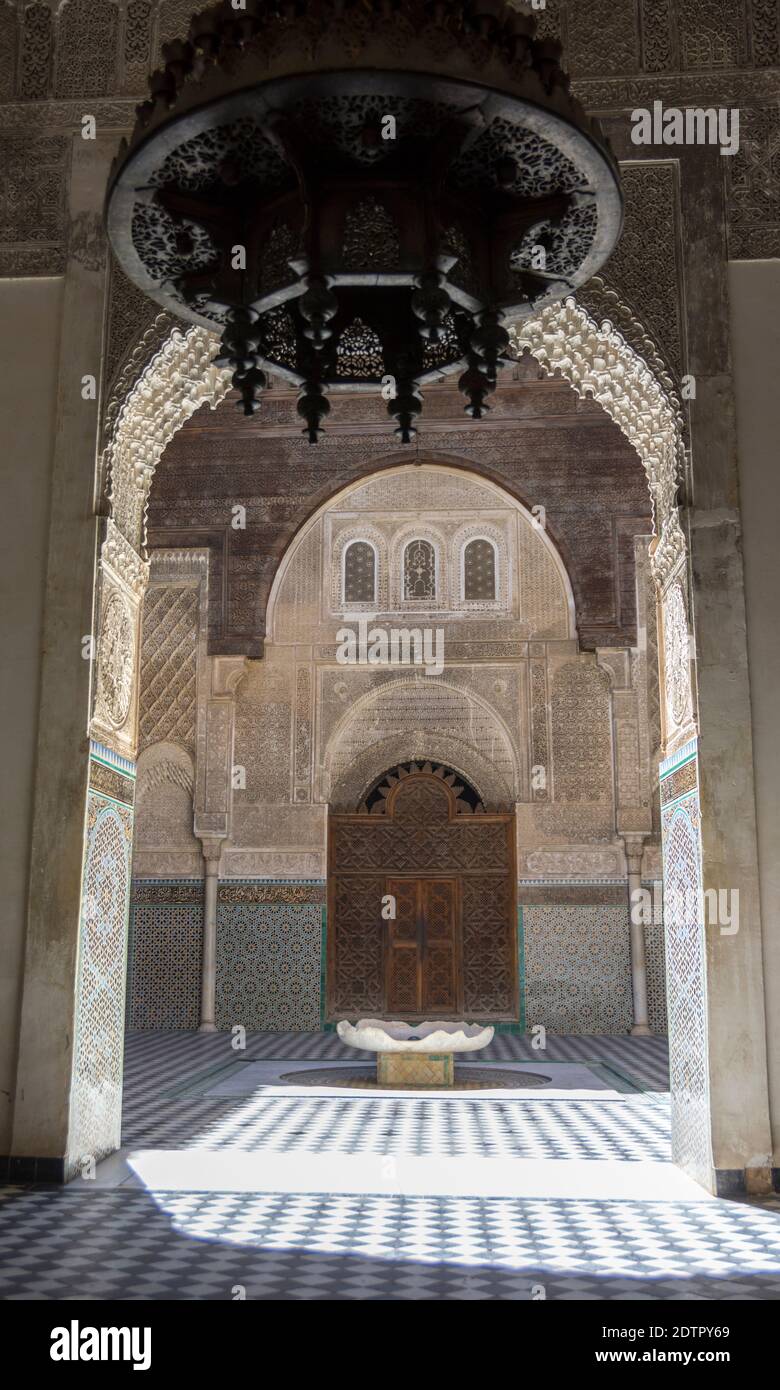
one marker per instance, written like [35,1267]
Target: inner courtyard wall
[518,710]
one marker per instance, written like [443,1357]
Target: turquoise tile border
[100,754]
[678,758]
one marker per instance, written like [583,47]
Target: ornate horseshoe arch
[596,360]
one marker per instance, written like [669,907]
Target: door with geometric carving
[448,861]
[422,956]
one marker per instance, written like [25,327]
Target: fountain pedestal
[418,1069]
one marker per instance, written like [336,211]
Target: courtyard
[224,1189]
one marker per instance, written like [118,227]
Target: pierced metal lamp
[359,192]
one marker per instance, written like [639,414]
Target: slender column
[212,850]
[633,845]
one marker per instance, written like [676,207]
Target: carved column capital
[212,850]
[634,846]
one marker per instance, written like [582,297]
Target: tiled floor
[283,1196]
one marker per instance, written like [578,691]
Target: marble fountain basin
[414,1054]
[380,1035]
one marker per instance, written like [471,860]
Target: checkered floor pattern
[89,1243]
[636,1129]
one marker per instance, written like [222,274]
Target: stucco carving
[448,507]
[169,664]
[86,48]
[598,361]
[594,359]
[119,554]
[645,267]
[677,682]
[582,761]
[241,863]
[573,863]
[165,787]
[33,207]
[115,661]
[409,718]
[177,381]
[342,534]
[166,769]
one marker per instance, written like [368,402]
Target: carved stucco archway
[594,359]
[354,758]
[635,391]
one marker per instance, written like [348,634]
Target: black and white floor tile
[95,1240]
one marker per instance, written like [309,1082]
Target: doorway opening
[421,888]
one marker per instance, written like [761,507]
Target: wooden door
[452,948]
[438,902]
[403,972]
[422,959]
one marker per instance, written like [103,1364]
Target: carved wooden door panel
[451,949]
[422,946]
[440,946]
[404,954]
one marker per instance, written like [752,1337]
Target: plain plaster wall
[754,289]
[30,315]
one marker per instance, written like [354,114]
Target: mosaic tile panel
[269,966]
[577,968]
[270,960]
[269,955]
[656,978]
[166,944]
[96,1095]
[686,962]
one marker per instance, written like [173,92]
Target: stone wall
[30,315]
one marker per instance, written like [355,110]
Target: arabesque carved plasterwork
[591,864]
[416,567]
[594,358]
[341,540]
[597,361]
[179,379]
[124,365]
[124,561]
[115,662]
[169,652]
[677,680]
[425,717]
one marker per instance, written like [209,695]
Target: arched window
[419,570]
[359,573]
[479,570]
